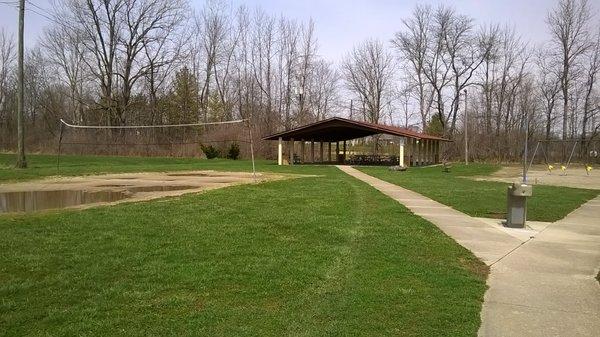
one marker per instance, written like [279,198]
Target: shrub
[210,151]
[234,151]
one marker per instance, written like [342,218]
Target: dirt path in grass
[541,283]
[87,191]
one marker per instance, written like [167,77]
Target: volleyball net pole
[64,124]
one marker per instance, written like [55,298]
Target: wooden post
[329,156]
[302,143]
[321,152]
[421,152]
[344,157]
[291,147]
[425,152]
[280,152]
[410,150]
[312,151]
[21,160]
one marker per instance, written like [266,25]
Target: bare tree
[64,49]
[568,24]
[7,59]
[591,102]
[549,87]
[465,53]
[369,72]
[412,43]
[322,90]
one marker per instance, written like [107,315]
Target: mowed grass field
[313,256]
[40,166]
[483,198]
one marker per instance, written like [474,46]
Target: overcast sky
[340,24]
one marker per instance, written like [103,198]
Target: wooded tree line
[506,85]
[132,62]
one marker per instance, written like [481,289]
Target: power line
[15,5]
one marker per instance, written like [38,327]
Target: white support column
[280,152]
[291,151]
[401,151]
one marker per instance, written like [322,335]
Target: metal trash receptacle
[516,215]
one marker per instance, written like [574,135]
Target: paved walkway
[541,283]
[547,287]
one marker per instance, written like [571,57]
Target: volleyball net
[226,139]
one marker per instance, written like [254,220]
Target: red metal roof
[339,129]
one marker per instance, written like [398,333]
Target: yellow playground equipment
[563,166]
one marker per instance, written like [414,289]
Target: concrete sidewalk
[541,284]
[487,242]
[547,287]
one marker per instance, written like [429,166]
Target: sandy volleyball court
[86,191]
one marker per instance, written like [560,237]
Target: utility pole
[525,150]
[466,131]
[21,161]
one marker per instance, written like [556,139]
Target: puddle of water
[191,175]
[161,188]
[30,201]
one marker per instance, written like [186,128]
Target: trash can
[516,214]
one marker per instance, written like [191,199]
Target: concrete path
[542,280]
[487,242]
[547,287]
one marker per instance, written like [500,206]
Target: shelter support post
[291,151]
[337,152]
[280,152]
[417,152]
[302,158]
[321,153]
[329,152]
[312,151]
[411,151]
[344,157]
[428,152]
[437,151]
[423,152]
[401,154]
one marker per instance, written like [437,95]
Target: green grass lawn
[324,255]
[40,166]
[482,198]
